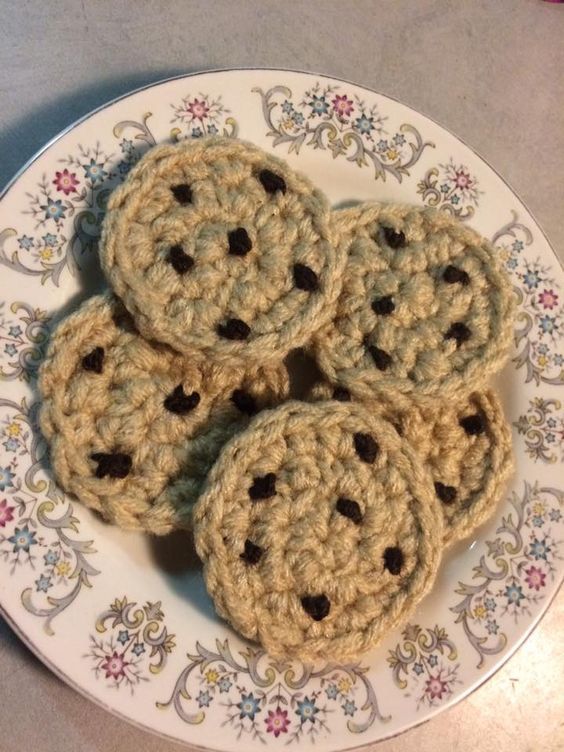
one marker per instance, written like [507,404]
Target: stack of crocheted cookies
[320,523]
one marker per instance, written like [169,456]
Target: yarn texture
[133,427]
[216,246]
[319,530]
[425,305]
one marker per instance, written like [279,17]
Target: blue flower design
[555,515]
[22,539]
[490,604]
[54,209]
[319,105]
[399,139]
[249,706]
[212,130]
[6,478]
[124,167]
[11,444]
[15,331]
[559,360]
[298,118]
[43,583]
[382,144]
[50,239]
[197,132]
[455,199]
[349,707]
[548,324]
[514,594]
[123,636]
[542,349]
[224,684]
[418,669]
[25,242]
[433,660]
[332,691]
[138,648]
[94,171]
[307,710]
[51,557]
[512,263]
[538,521]
[551,423]
[364,124]
[531,279]
[287,107]
[492,627]
[204,699]
[518,245]
[540,549]
[126,145]
[10,349]
[445,188]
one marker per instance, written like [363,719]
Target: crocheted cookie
[319,530]
[217,246]
[133,427]
[466,443]
[425,305]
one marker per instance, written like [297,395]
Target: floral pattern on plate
[543,428]
[24,333]
[450,187]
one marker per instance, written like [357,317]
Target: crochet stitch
[336,548]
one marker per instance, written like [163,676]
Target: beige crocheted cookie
[425,306]
[217,246]
[133,427]
[319,530]
[466,443]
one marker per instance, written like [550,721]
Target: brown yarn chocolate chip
[116,465]
[341,394]
[94,361]
[271,182]
[239,242]
[447,494]
[474,425]
[394,238]
[180,261]
[244,402]
[317,606]
[452,275]
[181,403]
[459,332]
[349,508]
[252,552]
[393,559]
[382,359]
[383,306]
[366,447]
[305,278]
[264,487]
[182,193]
[234,329]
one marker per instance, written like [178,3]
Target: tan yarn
[115,404]
[404,322]
[309,549]
[261,281]
[473,468]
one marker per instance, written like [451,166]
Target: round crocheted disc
[425,305]
[319,530]
[466,444]
[132,426]
[215,245]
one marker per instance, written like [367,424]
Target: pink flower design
[66,181]
[548,299]
[462,179]
[198,109]
[435,687]
[342,105]
[277,722]
[5,513]
[535,578]
[114,666]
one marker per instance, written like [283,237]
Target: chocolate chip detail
[181,403]
[349,508]
[252,552]
[366,447]
[382,359]
[341,394]
[244,402]
[239,242]
[264,487]
[474,425]
[459,332]
[393,559]
[234,329]
[447,494]
[94,361]
[452,275]
[305,278]
[271,182]
[317,606]
[182,193]
[384,306]
[394,238]
[180,261]
[116,465]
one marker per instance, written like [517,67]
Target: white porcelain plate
[125,619]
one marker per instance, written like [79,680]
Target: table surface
[489,70]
